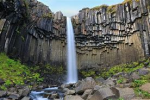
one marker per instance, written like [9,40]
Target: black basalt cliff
[105,35]
[32,33]
[111,35]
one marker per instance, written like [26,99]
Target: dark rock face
[111,35]
[30,32]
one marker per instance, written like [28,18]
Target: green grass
[127,68]
[112,9]
[121,80]
[141,93]
[108,72]
[136,84]
[98,7]
[88,73]
[14,73]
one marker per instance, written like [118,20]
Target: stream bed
[47,94]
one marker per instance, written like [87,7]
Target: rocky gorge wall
[111,35]
[30,31]
[105,35]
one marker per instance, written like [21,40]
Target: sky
[72,7]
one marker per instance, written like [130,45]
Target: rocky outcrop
[105,35]
[125,89]
[31,32]
[99,92]
[110,35]
[83,85]
[15,93]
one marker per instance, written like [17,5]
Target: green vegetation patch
[121,80]
[26,4]
[126,1]
[112,9]
[141,93]
[129,1]
[126,68]
[48,15]
[136,84]
[108,72]
[90,73]
[14,73]
[48,69]
[98,7]
[122,68]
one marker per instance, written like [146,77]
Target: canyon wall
[31,32]
[111,35]
[105,35]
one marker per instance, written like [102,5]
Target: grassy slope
[126,68]
[14,73]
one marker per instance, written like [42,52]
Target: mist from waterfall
[72,76]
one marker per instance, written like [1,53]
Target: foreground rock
[88,83]
[15,93]
[3,93]
[71,97]
[146,87]
[125,93]
[25,98]
[144,71]
[86,93]
[103,94]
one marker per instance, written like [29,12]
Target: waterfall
[71,54]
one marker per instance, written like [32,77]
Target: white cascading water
[72,76]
